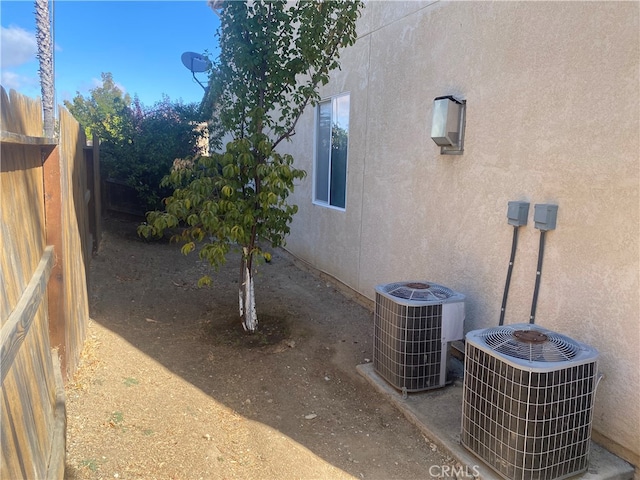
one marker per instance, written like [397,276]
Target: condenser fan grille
[418,291]
[531,344]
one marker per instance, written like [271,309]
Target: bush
[138,144]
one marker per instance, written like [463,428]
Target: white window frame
[327,203]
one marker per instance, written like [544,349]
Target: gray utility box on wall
[414,322]
[517,213]
[545,215]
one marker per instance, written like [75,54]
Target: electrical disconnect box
[544,216]
[517,213]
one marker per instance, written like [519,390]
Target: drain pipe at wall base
[545,219]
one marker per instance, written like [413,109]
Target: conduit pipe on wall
[517,213]
[514,244]
[544,218]
[532,316]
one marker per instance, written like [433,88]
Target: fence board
[6,114]
[59,441]
[29,122]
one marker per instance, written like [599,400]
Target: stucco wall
[553,117]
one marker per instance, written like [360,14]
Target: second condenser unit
[414,323]
[528,400]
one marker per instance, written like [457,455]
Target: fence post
[53,222]
[97,185]
[92,159]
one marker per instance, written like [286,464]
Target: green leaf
[188,248]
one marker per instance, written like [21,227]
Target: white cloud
[12,80]
[17,46]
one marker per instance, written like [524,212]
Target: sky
[139,42]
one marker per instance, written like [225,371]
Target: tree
[138,144]
[274,56]
[105,113]
[45,57]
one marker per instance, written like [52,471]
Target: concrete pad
[438,414]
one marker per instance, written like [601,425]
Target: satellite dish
[195,62]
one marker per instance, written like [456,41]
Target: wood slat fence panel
[46,244]
[76,236]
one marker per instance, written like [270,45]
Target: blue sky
[139,42]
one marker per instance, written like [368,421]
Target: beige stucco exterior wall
[553,117]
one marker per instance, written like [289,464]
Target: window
[332,141]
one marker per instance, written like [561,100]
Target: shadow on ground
[297,375]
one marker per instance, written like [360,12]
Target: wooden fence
[47,233]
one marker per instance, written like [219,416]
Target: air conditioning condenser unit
[527,402]
[414,323]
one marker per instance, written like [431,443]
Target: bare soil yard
[170,387]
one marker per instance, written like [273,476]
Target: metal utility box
[445,128]
[517,213]
[544,216]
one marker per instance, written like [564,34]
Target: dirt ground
[170,387]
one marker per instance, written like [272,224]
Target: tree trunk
[45,56]
[246,296]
